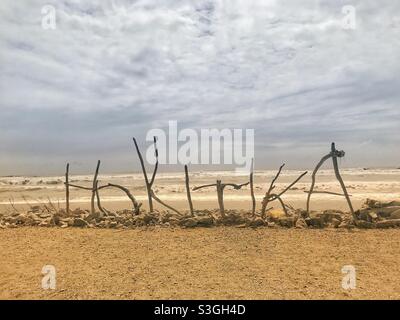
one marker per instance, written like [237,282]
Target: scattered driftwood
[95,192]
[153,195]
[136,205]
[189,197]
[269,196]
[334,154]
[220,192]
[149,184]
[328,192]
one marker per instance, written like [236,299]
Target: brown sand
[216,263]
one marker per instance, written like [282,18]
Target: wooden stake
[189,197]
[146,179]
[269,197]
[98,200]
[268,193]
[94,190]
[67,188]
[253,198]
[220,194]
[320,163]
[335,154]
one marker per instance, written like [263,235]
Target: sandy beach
[216,263]
[379,184]
[221,262]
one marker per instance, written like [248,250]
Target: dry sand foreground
[215,263]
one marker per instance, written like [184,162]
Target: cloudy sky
[115,69]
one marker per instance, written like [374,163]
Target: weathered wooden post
[189,197]
[67,188]
[269,196]
[150,193]
[253,198]
[146,180]
[94,189]
[220,194]
[334,154]
[98,200]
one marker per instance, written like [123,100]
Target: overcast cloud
[116,69]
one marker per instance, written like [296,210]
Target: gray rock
[93,216]
[315,222]
[45,223]
[257,222]
[188,222]
[168,216]
[335,223]
[173,222]
[128,223]
[372,215]
[148,218]
[232,219]
[301,223]
[21,219]
[205,221]
[113,224]
[365,224]
[395,215]
[346,224]
[393,223]
[378,204]
[35,209]
[79,212]
[78,222]
[328,215]
[287,222]
[55,220]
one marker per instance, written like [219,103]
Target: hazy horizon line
[203,170]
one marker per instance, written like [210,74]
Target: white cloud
[113,69]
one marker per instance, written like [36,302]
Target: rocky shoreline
[373,214]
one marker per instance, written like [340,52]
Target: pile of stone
[377,214]
[316,220]
[42,217]
[373,214]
